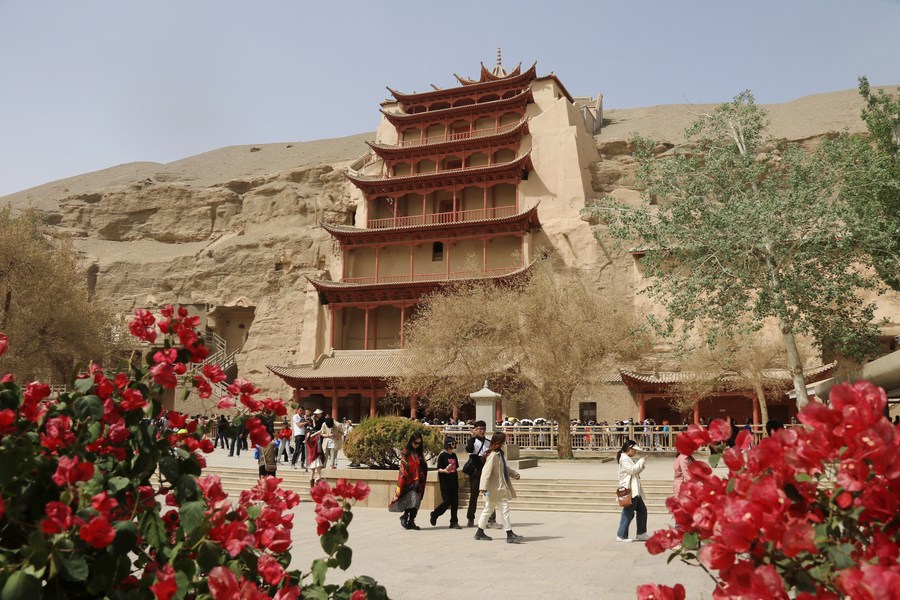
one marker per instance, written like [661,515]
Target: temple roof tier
[408,120]
[454,142]
[403,288]
[487,75]
[512,171]
[364,369]
[516,80]
[416,228]
[662,380]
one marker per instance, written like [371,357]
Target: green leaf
[38,547]
[153,530]
[319,571]
[253,511]
[10,398]
[84,385]
[209,555]
[186,488]
[117,484]
[21,586]
[333,538]
[344,555]
[691,541]
[89,407]
[102,575]
[714,459]
[191,514]
[168,466]
[74,568]
[126,537]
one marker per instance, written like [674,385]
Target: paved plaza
[565,555]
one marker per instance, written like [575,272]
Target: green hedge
[377,442]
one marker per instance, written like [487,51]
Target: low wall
[384,483]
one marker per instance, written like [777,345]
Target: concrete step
[555,495]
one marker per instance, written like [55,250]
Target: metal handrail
[598,438]
[458,216]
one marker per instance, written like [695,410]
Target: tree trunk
[564,438]
[763,407]
[787,333]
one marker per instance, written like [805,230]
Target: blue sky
[90,84]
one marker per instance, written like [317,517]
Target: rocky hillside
[237,227]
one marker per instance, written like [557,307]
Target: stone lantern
[486,407]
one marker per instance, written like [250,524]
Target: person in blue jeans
[630,477]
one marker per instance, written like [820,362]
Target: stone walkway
[565,555]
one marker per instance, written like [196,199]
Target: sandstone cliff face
[237,228]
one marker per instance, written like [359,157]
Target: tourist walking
[332,440]
[221,426]
[315,459]
[497,489]
[477,448]
[267,459]
[448,478]
[237,442]
[630,477]
[284,441]
[410,482]
[682,474]
[299,424]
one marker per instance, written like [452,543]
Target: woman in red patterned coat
[410,482]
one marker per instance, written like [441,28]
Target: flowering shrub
[95,501]
[811,512]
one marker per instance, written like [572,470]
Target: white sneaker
[642,537]
[618,539]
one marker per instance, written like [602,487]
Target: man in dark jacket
[477,447]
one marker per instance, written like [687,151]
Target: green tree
[738,228]
[45,307]
[880,193]
[545,334]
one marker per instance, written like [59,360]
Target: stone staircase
[552,495]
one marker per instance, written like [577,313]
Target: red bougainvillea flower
[271,570]
[719,430]
[141,326]
[360,595]
[72,470]
[4,344]
[132,400]
[165,586]
[660,592]
[214,373]
[103,502]
[344,489]
[223,584]
[59,518]
[98,532]
[690,440]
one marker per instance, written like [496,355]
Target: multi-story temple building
[454,187]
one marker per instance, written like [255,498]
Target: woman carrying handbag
[630,478]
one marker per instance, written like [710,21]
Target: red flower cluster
[328,509]
[94,472]
[809,512]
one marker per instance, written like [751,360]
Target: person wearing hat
[315,457]
[447,465]
[630,477]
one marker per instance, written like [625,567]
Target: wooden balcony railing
[458,216]
[442,276]
[463,135]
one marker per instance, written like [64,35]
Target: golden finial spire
[499,61]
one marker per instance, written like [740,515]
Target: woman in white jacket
[497,488]
[630,477]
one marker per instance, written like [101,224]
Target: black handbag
[471,465]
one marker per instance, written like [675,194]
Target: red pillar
[642,408]
[375,330]
[484,255]
[412,262]
[402,323]
[697,412]
[455,413]
[366,332]
[332,312]
[499,416]
[334,405]
[377,253]
[373,403]
[413,401]
[755,403]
